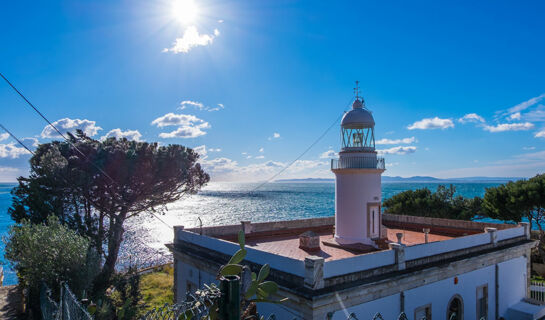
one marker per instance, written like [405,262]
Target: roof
[358,117]
[287,245]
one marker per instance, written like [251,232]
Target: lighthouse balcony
[358,163]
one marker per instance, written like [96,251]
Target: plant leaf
[238,257]
[263,273]
[231,270]
[261,294]
[251,290]
[269,286]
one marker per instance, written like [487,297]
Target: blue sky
[456,89]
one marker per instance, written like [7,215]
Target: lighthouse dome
[358,117]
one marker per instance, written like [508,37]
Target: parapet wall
[447,227]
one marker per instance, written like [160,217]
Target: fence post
[229,306]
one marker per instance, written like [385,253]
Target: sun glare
[185,11]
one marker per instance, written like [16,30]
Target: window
[455,309]
[423,313]
[358,139]
[482,302]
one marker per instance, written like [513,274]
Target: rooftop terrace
[277,243]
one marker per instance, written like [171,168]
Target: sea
[230,203]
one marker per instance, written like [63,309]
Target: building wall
[439,294]
[512,283]
[512,288]
[389,307]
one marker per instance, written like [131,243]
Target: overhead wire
[159,251]
[113,181]
[17,139]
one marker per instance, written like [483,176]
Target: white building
[368,262]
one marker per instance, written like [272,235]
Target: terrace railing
[358,163]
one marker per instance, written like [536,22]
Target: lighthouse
[358,173]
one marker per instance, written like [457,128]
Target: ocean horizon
[221,203]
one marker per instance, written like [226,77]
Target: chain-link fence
[68,308]
[204,304]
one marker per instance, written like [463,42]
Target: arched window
[455,308]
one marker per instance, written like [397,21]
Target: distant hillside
[413,179]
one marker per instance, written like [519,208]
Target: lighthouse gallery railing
[358,163]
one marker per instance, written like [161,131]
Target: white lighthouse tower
[358,179]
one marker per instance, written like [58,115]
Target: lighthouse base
[357,247]
[349,240]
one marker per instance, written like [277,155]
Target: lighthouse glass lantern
[358,180]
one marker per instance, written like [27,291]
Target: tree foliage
[95,186]
[50,253]
[440,204]
[517,201]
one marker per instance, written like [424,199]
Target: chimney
[309,241]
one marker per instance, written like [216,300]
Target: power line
[290,164]
[17,139]
[30,104]
[55,128]
[114,182]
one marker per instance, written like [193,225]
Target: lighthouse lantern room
[358,179]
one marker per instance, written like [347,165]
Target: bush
[50,253]
[440,204]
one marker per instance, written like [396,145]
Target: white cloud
[172,119]
[224,169]
[261,150]
[398,150]
[328,154]
[118,133]
[4,136]
[509,127]
[528,148]
[184,104]
[540,134]
[189,126]
[201,150]
[12,151]
[514,116]
[393,164]
[471,117]
[215,149]
[538,114]
[275,135]
[199,105]
[30,141]
[71,125]
[432,123]
[526,104]
[396,141]
[219,107]
[191,39]
[260,157]
[186,132]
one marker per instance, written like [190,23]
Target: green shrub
[50,253]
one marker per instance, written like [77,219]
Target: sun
[185,11]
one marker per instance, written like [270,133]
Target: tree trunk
[115,238]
